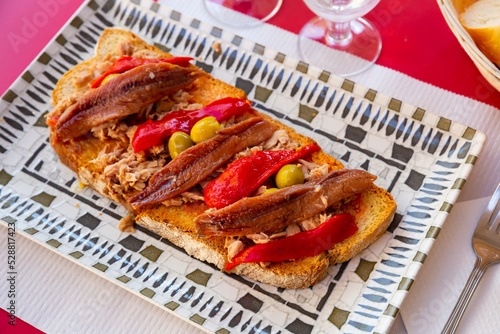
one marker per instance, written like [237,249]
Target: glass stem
[339,33]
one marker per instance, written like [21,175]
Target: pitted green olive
[205,129]
[289,175]
[179,142]
[270,190]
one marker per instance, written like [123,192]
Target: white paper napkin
[444,274]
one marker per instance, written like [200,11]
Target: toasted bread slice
[373,209]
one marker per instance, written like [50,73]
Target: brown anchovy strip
[276,210]
[124,95]
[198,162]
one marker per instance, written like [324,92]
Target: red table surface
[416,40]
[16,326]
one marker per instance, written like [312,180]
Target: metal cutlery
[486,244]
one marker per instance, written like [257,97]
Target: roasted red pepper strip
[246,174]
[302,244]
[152,133]
[124,64]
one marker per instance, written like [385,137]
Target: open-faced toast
[97,145]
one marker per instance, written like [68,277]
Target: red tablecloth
[416,40]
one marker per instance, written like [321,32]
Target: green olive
[270,190]
[205,129]
[109,77]
[289,175]
[179,142]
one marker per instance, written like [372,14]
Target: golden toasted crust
[373,211]
[175,224]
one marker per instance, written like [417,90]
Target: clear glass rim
[368,64]
[252,21]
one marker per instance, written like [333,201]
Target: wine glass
[248,12]
[354,44]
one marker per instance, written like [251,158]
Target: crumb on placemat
[127,224]
[216,47]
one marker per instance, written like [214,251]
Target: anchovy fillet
[201,160]
[124,95]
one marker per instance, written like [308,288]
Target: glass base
[255,11]
[350,55]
